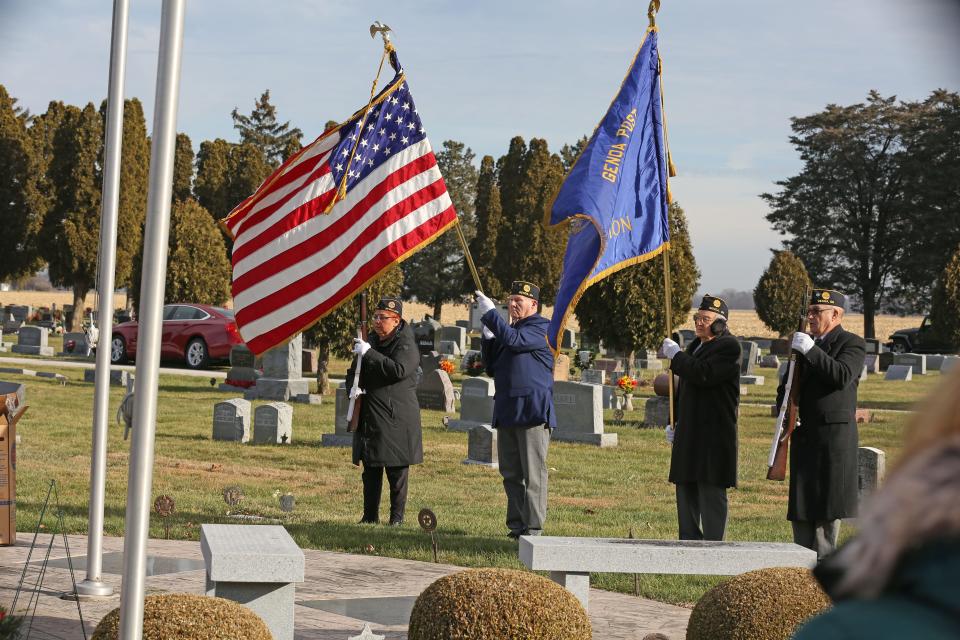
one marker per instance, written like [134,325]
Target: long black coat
[823,449]
[389,432]
[705,442]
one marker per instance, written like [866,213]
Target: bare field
[60,298]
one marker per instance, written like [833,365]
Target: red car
[197,334]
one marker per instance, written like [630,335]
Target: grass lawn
[593,492]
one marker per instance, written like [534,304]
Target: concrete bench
[257,566]
[571,560]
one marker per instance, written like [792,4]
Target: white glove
[670,433]
[360,346]
[484,303]
[355,392]
[802,342]
[487,334]
[669,348]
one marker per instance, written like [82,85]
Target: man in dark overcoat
[823,448]
[703,463]
[519,359]
[388,436]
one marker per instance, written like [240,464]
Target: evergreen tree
[277,141]
[779,295]
[626,310]
[489,219]
[432,275]
[226,174]
[70,235]
[22,205]
[333,334]
[570,152]
[945,308]
[183,168]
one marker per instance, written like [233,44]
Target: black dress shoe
[368,521]
[515,535]
[396,522]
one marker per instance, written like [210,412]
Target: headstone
[949,362]
[273,423]
[762,343]
[748,357]
[435,391]
[340,437]
[476,325]
[873,346]
[780,347]
[934,362]
[752,379]
[770,362]
[872,363]
[561,367]
[243,373]
[429,362]
[457,334]
[899,372]
[607,364]
[476,404]
[656,411]
[75,344]
[579,412]
[475,343]
[231,420]
[33,341]
[427,334]
[863,373]
[593,376]
[610,399]
[871,467]
[118,377]
[482,446]
[449,348]
[283,375]
[885,359]
[916,360]
[568,339]
[309,361]
[463,323]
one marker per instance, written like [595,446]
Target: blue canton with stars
[390,127]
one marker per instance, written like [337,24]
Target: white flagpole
[93,585]
[156,238]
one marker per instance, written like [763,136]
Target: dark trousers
[701,511]
[522,456]
[373,486]
[819,535]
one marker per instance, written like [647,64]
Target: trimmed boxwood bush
[184,616]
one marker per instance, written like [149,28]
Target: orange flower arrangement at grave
[627,384]
[447,366]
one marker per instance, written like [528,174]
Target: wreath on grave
[473,364]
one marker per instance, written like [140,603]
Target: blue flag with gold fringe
[615,196]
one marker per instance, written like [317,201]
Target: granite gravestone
[476,404]
[463,323]
[872,362]
[561,367]
[309,361]
[449,348]
[283,375]
[871,467]
[885,359]
[579,412]
[656,411]
[949,362]
[435,391]
[231,420]
[748,357]
[593,376]
[903,372]
[607,364]
[568,339]
[455,334]
[118,377]
[934,361]
[916,360]
[273,423]
[340,437]
[243,373]
[427,335]
[770,362]
[33,341]
[873,346]
[429,362]
[482,446]
[75,344]
[475,315]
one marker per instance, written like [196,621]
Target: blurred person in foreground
[900,576]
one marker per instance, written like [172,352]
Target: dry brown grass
[60,298]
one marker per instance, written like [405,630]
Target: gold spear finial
[652,12]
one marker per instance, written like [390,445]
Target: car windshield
[225,312]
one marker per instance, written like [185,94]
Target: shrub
[945,307]
[184,616]
[767,604]
[497,604]
[778,295]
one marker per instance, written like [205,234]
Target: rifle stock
[357,403]
[787,418]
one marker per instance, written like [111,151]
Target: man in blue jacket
[521,363]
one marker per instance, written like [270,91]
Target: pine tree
[779,295]
[22,205]
[432,275]
[183,168]
[70,235]
[276,141]
[226,174]
[626,310]
[489,219]
[945,307]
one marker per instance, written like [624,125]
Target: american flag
[296,259]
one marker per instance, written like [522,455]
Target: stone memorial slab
[770,362]
[748,357]
[435,391]
[949,362]
[871,467]
[455,334]
[916,360]
[429,362]
[75,345]
[475,343]
[463,323]
[593,376]
[283,375]
[934,361]
[273,423]
[752,379]
[872,363]
[568,339]
[33,341]
[243,373]
[561,367]
[231,420]
[780,347]
[610,398]
[899,372]
[118,377]
[863,373]
[427,334]
[608,364]
[885,359]
[579,411]
[476,404]
[309,361]
[656,411]
[449,348]
[482,446]
[873,346]
[340,437]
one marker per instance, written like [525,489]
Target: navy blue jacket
[521,364]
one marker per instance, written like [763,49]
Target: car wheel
[118,350]
[197,355]
[898,346]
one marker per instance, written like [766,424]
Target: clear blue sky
[482,72]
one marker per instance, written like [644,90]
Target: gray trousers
[701,511]
[522,454]
[819,535]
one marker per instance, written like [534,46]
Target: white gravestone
[593,376]
[656,411]
[903,372]
[579,411]
[456,334]
[283,375]
[231,420]
[340,437]
[916,360]
[871,467]
[476,404]
[33,341]
[273,423]
[482,446]
[435,391]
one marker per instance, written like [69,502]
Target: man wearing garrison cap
[521,363]
[823,451]
[703,463]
